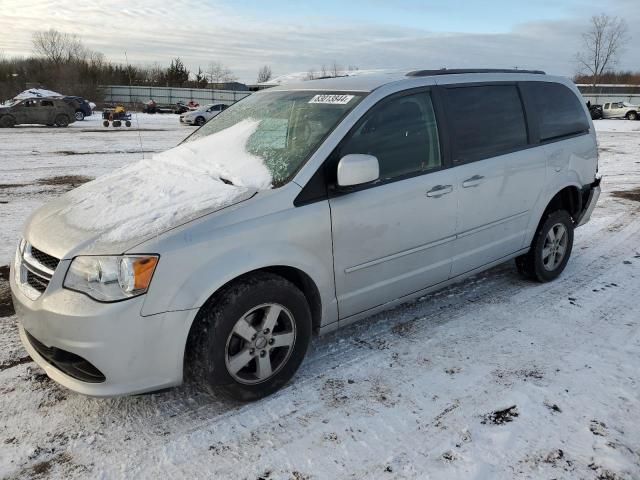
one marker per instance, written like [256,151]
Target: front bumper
[594,194]
[134,353]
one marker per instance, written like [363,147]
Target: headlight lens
[111,278]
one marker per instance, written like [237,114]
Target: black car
[595,111]
[43,111]
[81,107]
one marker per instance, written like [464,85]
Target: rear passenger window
[485,121]
[559,110]
[402,133]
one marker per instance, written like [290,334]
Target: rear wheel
[7,121]
[105,123]
[79,115]
[62,120]
[250,339]
[550,249]
[117,123]
[127,123]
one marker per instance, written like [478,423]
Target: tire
[105,123]
[127,123]
[549,253]
[7,122]
[200,121]
[117,123]
[222,360]
[79,115]
[632,116]
[62,121]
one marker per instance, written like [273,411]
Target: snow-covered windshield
[279,130]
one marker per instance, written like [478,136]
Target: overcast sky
[298,35]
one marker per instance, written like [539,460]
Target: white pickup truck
[620,110]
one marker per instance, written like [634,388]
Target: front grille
[73,365]
[36,268]
[37,282]
[44,258]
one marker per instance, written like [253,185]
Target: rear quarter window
[485,121]
[558,109]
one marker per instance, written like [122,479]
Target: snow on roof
[37,92]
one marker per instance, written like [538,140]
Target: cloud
[200,32]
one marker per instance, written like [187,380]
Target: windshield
[279,130]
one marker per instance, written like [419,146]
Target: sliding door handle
[439,190]
[473,181]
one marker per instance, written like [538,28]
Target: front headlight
[111,278]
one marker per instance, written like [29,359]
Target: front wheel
[250,339]
[62,121]
[632,116]
[7,121]
[200,121]
[550,249]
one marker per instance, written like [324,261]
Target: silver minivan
[301,209]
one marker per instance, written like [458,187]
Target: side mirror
[356,169]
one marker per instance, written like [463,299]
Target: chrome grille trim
[34,275]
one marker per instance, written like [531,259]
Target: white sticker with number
[332,99]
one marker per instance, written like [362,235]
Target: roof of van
[372,81]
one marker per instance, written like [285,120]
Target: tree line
[63,63]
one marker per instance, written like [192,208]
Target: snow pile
[37,92]
[171,188]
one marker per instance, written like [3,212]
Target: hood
[118,211]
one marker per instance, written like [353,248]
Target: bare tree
[58,47]
[602,45]
[264,74]
[219,73]
[311,74]
[335,69]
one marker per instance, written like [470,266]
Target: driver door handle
[439,190]
[473,181]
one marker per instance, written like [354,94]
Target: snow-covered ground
[409,393]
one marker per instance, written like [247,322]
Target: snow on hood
[170,188]
[36,92]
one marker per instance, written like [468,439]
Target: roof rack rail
[459,71]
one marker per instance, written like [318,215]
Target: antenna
[137,119]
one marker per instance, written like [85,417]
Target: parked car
[45,111]
[203,115]
[301,209]
[620,110]
[152,107]
[82,108]
[596,111]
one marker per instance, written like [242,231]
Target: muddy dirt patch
[500,417]
[6,303]
[71,181]
[633,194]
[15,362]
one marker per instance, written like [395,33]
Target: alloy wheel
[555,247]
[260,343]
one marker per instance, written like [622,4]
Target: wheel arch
[296,276]
[568,198]
[299,278]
